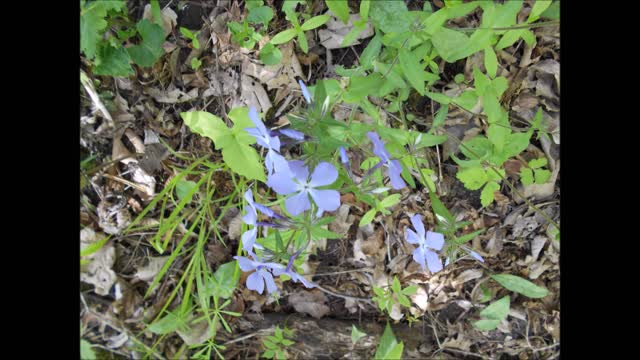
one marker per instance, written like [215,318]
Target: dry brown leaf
[98,271]
[148,272]
[334,34]
[309,302]
[172,95]
[252,94]
[467,275]
[284,74]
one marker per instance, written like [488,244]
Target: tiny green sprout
[191,36]
[385,298]
[275,344]
[356,334]
[534,172]
[195,63]
[243,34]
[299,30]
[381,206]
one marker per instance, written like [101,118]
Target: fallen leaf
[148,272]
[252,94]
[98,271]
[309,302]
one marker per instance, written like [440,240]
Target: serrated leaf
[490,61]
[542,175]
[284,36]
[356,334]
[472,178]
[93,24]
[487,197]
[492,175]
[112,61]
[340,9]
[520,285]
[486,324]
[287,342]
[315,22]
[268,354]
[389,348]
[209,125]
[412,70]
[517,143]
[269,345]
[367,217]
[150,50]
[537,163]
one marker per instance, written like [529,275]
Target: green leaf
[112,61]
[435,21]
[302,41]
[315,22]
[93,24]
[389,15]
[191,36]
[157,13]
[269,345]
[270,54]
[497,310]
[352,35]
[284,36]
[441,98]
[340,9]
[268,354]
[244,160]
[509,38]
[480,81]
[390,201]
[209,125]
[260,15]
[389,348]
[356,334]
[440,117]
[552,12]
[321,233]
[371,51]
[412,70]
[365,5]
[472,178]
[166,325]
[542,175]
[440,210]
[520,285]
[149,51]
[367,217]
[86,352]
[448,42]
[464,238]
[287,342]
[526,176]
[467,99]
[498,135]
[538,163]
[225,280]
[184,187]
[486,324]
[395,285]
[410,290]
[538,8]
[487,197]
[93,247]
[517,143]
[490,61]
[362,86]
[195,63]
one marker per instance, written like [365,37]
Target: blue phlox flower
[395,169]
[262,275]
[427,242]
[299,183]
[273,160]
[294,134]
[305,92]
[295,277]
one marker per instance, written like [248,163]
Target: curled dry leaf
[113,215]
[172,95]
[309,302]
[252,94]
[98,271]
[148,272]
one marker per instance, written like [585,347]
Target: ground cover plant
[295,179]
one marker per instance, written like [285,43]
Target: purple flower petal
[298,203]
[344,159]
[378,146]
[249,240]
[416,221]
[260,138]
[395,169]
[305,92]
[299,278]
[294,134]
[434,240]
[327,200]
[255,282]
[419,257]
[300,171]
[271,285]
[265,210]
[412,237]
[323,174]
[245,263]
[282,183]
[433,262]
[476,256]
[250,217]
[255,119]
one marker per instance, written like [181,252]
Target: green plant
[387,297]
[275,344]
[104,27]
[493,315]
[389,348]
[381,207]
[191,36]
[195,63]
[298,30]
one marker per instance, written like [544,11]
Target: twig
[341,272]
[349,297]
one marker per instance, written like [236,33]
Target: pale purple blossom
[295,277]
[273,160]
[305,92]
[427,243]
[385,159]
[299,183]
[262,275]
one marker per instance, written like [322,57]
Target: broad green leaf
[487,197]
[412,70]
[269,345]
[509,38]
[441,98]
[389,348]
[427,140]
[270,54]
[362,86]
[520,285]
[526,176]
[440,117]
[435,21]
[315,22]
[112,61]
[490,61]
[157,13]
[493,109]
[287,342]
[150,49]
[260,15]
[166,325]
[340,9]
[356,334]
[542,175]
[499,85]
[209,125]
[486,324]
[480,81]
[365,5]
[517,143]
[367,217]
[389,15]
[252,4]
[410,290]
[371,51]
[352,35]
[448,42]
[321,233]
[244,160]
[93,24]
[86,352]
[498,310]
[184,187]
[240,118]
[538,8]
[493,174]
[478,147]
[529,37]
[390,201]
[284,36]
[552,12]
[395,285]
[467,99]
[225,280]
[472,178]
[302,41]
[538,163]
[462,9]
[464,238]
